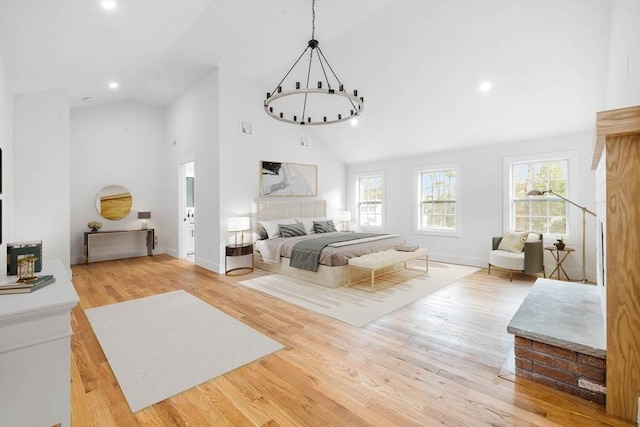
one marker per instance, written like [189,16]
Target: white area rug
[355,306]
[161,345]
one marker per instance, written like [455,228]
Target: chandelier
[332,103]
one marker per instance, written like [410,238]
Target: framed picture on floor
[280,179]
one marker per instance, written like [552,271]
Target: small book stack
[406,248]
[27,286]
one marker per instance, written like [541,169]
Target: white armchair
[518,251]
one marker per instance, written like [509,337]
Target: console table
[89,235]
[35,352]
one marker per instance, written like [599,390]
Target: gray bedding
[333,255]
[305,254]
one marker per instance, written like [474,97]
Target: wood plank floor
[434,362]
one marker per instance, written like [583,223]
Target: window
[438,200]
[369,195]
[545,214]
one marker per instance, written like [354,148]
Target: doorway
[187,211]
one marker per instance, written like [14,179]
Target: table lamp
[238,225]
[144,216]
[344,217]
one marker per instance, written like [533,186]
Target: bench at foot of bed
[380,261]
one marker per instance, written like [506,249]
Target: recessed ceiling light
[113,85]
[354,122]
[485,86]
[109,5]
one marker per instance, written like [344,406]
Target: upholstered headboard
[268,210]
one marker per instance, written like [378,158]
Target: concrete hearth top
[562,314]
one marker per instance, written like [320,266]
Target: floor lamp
[584,222]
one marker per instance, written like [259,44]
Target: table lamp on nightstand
[344,217]
[238,225]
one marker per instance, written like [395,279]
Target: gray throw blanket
[306,253]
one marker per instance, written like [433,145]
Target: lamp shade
[344,216]
[144,215]
[241,223]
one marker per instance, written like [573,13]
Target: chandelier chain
[313,19]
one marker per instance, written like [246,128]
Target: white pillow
[272,226]
[533,237]
[513,241]
[308,223]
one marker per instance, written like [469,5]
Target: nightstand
[238,251]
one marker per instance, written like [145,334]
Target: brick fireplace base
[559,338]
[565,370]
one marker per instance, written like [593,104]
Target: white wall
[118,143]
[482,199]
[6,144]
[41,190]
[623,88]
[192,134]
[142,147]
[240,154]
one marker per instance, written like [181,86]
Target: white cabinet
[35,353]
[190,237]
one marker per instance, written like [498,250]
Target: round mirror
[114,202]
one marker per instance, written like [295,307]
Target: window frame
[417,209]
[572,188]
[356,180]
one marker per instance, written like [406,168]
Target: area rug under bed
[355,306]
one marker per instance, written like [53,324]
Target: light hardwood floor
[434,362]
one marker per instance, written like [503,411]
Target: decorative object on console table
[19,250]
[344,217]
[144,216]
[238,225]
[94,225]
[288,179]
[559,244]
[584,223]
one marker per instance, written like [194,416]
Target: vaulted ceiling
[417,63]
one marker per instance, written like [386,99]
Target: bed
[275,254]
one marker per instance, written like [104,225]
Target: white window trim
[572,156]
[356,182]
[417,202]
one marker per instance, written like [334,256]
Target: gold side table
[559,255]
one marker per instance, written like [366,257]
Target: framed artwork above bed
[280,179]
